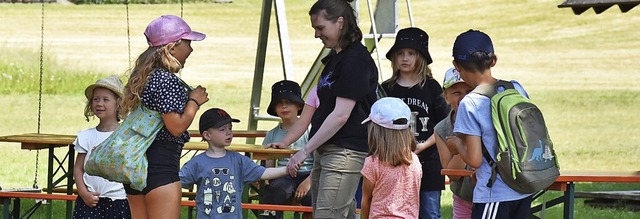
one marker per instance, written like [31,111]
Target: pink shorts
[461,208]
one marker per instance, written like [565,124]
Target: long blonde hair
[422,68]
[150,59]
[391,146]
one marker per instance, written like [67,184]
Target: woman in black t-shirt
[346,90]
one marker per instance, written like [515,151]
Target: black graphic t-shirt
[428,108]
[349,74]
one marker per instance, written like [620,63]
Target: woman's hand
[199,94]
[295,161]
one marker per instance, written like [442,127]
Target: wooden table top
[236,133]
[34,141]
[575,176]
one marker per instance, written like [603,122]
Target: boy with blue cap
[473,57]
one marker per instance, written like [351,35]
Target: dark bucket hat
[412,38]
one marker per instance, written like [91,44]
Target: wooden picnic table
[62,172]
[566,183]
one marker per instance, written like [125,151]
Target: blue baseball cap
[470,42]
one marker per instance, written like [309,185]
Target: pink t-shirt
[395,189]
[312,98]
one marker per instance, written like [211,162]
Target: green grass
[20,70]
[579,69]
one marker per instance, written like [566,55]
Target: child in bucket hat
[474,58]
[153,83]
[219,173]
[96,195]
[111,83]
[286,103]
[392,172]
[462,187]
[413,82]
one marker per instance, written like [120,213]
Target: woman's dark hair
[332,10]
[479,61]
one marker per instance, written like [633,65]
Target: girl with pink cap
[153,83]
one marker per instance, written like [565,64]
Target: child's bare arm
[443,151]
[89,198]
[274,172]
[367,191]
[468,146]
[426,144]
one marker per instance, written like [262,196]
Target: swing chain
[126,3]
[35,180]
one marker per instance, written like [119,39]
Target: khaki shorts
[334,181]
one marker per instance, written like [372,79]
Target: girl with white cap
[391,172]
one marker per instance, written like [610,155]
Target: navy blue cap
[470,42]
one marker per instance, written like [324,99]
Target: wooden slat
[31,195]
[599,176]
[572,177]
[188,203]
[633,195]
[258,152]
[237,133]
[33,141]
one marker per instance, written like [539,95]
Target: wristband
[195,101]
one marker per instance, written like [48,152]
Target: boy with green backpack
[513,156]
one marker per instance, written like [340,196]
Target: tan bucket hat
[112,83]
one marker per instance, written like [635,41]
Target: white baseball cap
[391,113]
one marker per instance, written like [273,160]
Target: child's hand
[90,199]
[277,145]
[295,161]
[303,189]
[199,94]
[453,143]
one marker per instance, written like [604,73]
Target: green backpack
[525,158]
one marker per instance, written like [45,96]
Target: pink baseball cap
[170,28]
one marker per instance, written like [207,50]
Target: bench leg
[568,202]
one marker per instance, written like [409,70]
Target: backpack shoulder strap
[489,90]
[492,164]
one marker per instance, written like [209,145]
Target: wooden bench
[60,190]
[612,199]
[6,198]
[566,184]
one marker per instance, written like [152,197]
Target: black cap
[412,38]
[214,118]
[285,89]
